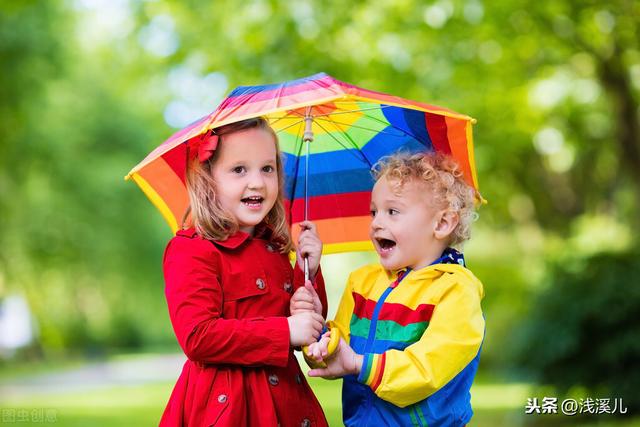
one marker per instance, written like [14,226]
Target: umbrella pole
[307,137]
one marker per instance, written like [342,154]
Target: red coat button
[273,379]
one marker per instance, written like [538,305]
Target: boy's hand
[319,350]
[310,247]
[345,361]
[304,328]
[305,298]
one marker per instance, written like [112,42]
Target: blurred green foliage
[583,329]
[86,86]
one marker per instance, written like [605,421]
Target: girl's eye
[268,169]
[238,169]
[373,213]
[393,212]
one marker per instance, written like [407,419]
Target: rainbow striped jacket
[421,341]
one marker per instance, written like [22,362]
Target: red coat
[228,303]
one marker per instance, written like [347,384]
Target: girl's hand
[305,298]
[304,328]
[310,247]
[344,361]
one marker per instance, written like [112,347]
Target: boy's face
[403,225]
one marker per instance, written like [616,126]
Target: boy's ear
[447,222]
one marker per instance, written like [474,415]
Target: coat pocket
[243,285]
[219,398]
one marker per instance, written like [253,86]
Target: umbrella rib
[348,137]
[349,149]
[274,120]
[367,129]
[341,132]
[404,132]
[334,113]
[287,127]
[359,110]
[377,121]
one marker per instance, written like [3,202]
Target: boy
[414,324]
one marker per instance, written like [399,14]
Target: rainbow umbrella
[330,133]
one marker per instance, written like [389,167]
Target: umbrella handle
[306,269]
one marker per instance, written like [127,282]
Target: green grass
[494,405]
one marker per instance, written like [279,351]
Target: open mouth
[385,245]
[253,201]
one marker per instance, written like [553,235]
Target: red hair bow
[206,146]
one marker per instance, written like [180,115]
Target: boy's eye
[268,169]
[238,169]
[393,212]
[372,212]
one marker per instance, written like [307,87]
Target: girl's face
[246,176]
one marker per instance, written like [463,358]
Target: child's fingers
[302,294]
[307,247]
[318,322]
[308,225]
[311,291]
[309,234]
[303,306]
[315,372]
[323,372]
[301,299]
[304,250]
[316,353]
[309,241]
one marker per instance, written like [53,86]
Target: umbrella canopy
[351,129]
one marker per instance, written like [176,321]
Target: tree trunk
[615,80]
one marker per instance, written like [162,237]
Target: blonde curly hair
[442,176]
[205,213]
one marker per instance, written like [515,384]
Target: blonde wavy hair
[442,176]
[205,213]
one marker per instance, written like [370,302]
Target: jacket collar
[450,261]
[262,231]
[233,241]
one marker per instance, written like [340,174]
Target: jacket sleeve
[318,284]
[194,297]
[447,346]
[345,310]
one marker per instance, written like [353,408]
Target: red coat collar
[234,240]
[262,231]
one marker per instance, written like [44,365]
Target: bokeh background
[89,87]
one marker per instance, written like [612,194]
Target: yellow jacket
[418,338]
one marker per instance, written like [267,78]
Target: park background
[89,87]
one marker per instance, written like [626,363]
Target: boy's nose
[375,223]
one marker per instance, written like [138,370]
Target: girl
[228,286]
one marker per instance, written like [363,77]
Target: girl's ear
[447,222]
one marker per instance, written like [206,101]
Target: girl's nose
[256,181]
